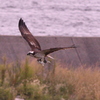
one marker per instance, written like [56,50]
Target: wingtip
[20,19]
[21,22]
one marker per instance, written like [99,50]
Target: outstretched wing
[48,51]
[28,36]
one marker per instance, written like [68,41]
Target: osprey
[35,46]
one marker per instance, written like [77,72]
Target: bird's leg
[42,61]
[39,60]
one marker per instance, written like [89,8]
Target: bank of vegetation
[30,81]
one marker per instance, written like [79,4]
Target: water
[77,18]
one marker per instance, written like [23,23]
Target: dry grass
[28,81]
[85,81]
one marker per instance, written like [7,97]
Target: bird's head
[31,53]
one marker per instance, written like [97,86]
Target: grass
[27,80]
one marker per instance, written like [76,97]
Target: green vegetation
[28,80]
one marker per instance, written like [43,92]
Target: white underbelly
[39,55]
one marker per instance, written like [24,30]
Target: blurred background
[72,18]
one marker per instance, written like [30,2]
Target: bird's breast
[39,55]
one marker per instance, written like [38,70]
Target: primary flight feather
[34,44]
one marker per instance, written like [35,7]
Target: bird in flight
[35,46]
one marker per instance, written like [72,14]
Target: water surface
[77,18]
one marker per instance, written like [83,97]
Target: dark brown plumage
[34,44]
[28,36]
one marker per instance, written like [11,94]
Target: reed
[26,79]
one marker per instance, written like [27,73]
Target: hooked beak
[28,53]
